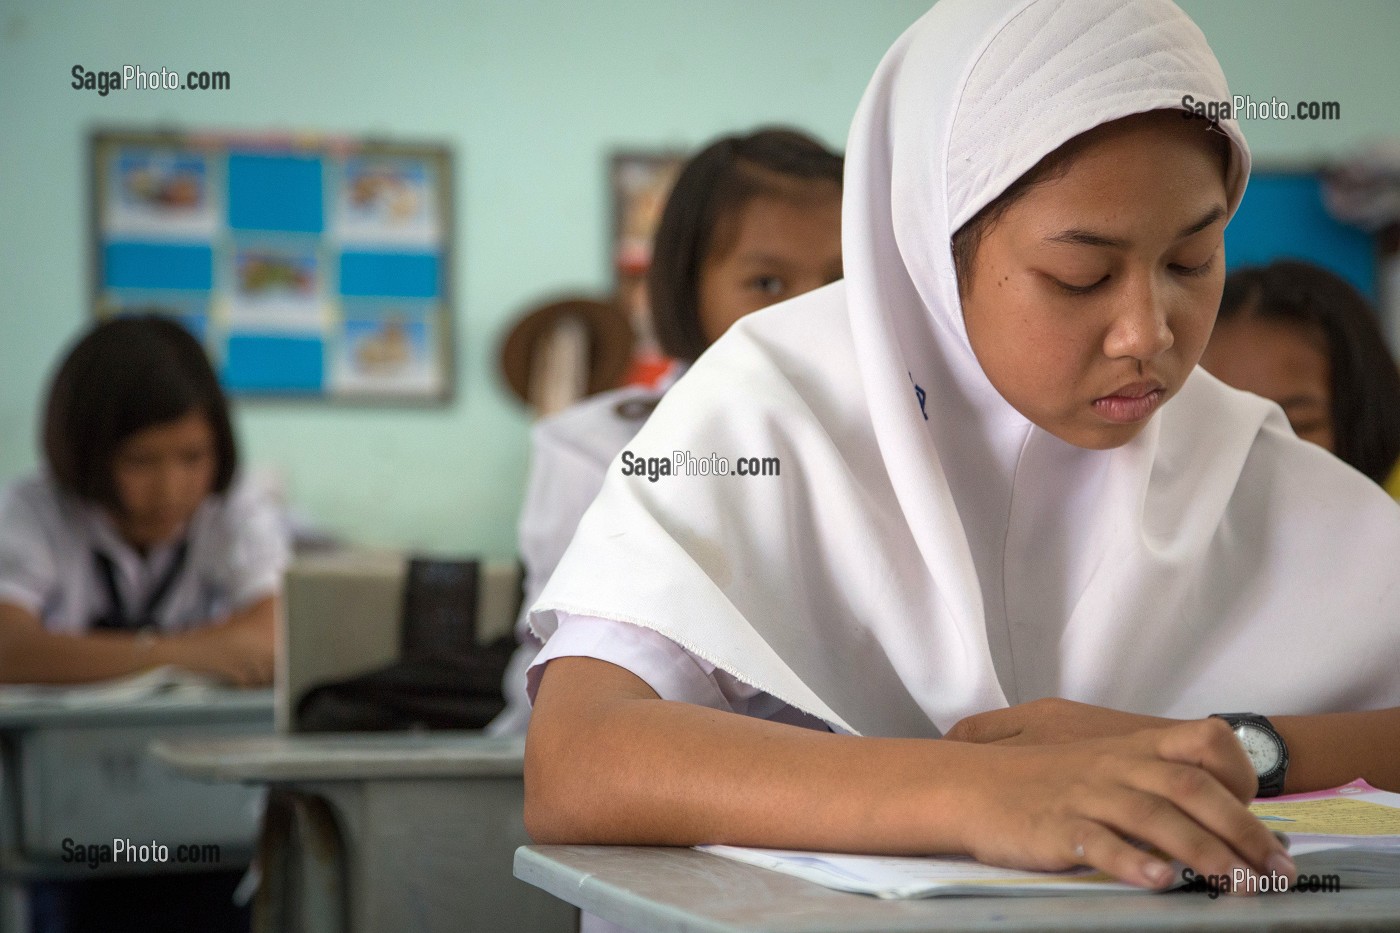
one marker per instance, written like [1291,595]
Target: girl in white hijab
[1003,481]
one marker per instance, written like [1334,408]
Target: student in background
[138,546]
[1301,336]
[1012,509]
[752,220]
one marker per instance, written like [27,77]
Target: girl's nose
[1140,328]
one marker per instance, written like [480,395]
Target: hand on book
[1181,790]
[1051,721]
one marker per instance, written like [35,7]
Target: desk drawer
[96,784]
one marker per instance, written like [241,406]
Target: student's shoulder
[249,505]
[36,501]
[598,426]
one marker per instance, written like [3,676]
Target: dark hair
[123,376]
[1365,382]
[713,186]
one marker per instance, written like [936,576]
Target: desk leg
[435,855]
[14,908]
[302,861]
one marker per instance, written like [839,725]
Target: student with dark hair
[1301,336]
[751,221]
[138,546]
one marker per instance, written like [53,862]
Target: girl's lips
[1132,404]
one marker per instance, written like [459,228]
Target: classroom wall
[532,95]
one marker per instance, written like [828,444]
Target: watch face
[1261,747]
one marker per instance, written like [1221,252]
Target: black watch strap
[1270,781]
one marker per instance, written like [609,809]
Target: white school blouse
[237,552]
[569,457]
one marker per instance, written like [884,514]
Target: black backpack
[445,678]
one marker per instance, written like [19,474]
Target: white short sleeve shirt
[236,553]
[670,670]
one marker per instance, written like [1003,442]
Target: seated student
[1004,480]
[752,220]
[1303,337]
[138,546]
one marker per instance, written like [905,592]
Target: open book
[1344,837]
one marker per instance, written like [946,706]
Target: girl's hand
[1179,790]
[1049,722]
[238,650]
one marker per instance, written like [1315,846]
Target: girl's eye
[1078,289]
[1195,271]
[769,285]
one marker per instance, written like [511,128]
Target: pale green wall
[532,94]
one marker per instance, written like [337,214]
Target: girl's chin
[152,533]
[1097,434]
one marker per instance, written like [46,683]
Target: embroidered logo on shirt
[920,394]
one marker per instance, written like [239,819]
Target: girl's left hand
[1050,721]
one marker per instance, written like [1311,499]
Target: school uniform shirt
[570,453]
[927,552]
[236,552]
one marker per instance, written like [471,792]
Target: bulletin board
[314,268]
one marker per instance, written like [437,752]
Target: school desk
[684,891]
[83,773]
[375,833]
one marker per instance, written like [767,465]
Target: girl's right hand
[1181,790]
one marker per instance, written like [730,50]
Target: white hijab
[922,559]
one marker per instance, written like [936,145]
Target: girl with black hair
[1301,336]
[138,546]
[751,221]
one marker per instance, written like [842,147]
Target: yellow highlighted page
[1334,816]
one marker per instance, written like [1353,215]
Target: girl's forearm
[1329,749]
[29,654]
[628,771]
[607,762]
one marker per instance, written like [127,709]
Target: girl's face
[771,249]
[1093,295]
[162,474]
[1281,361]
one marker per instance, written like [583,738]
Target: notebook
[1344,837]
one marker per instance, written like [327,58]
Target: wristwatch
[1265,747]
